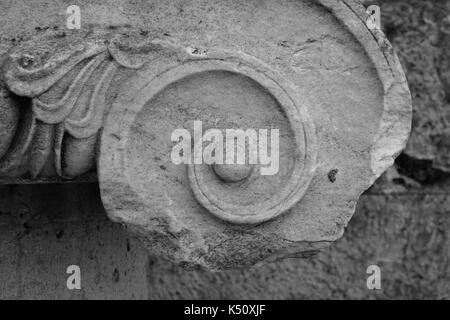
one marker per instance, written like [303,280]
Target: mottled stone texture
[116,93]
[402,224]
[44,229]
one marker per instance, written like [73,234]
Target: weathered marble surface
[415,253]
[115,93]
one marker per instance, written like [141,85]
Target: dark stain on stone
[116,136]
[116,275]
[26,61]
[163,167]
[283,44]
[27,228]
[332,175]
[59,234]
[421,171]
[399,181]
[23,213]
[41,28]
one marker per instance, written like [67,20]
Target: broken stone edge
[390,140]
[396,122]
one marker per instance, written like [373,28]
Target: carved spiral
[304,154]
[217,187]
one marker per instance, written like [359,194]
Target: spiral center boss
[242,157]
[233,172]
[259,144]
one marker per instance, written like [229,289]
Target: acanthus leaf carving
[66,82]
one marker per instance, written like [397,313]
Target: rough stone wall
[420,32]
[402,224]
[45,229]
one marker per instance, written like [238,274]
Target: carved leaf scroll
[66,82]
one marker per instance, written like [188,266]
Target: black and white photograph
[224,154]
